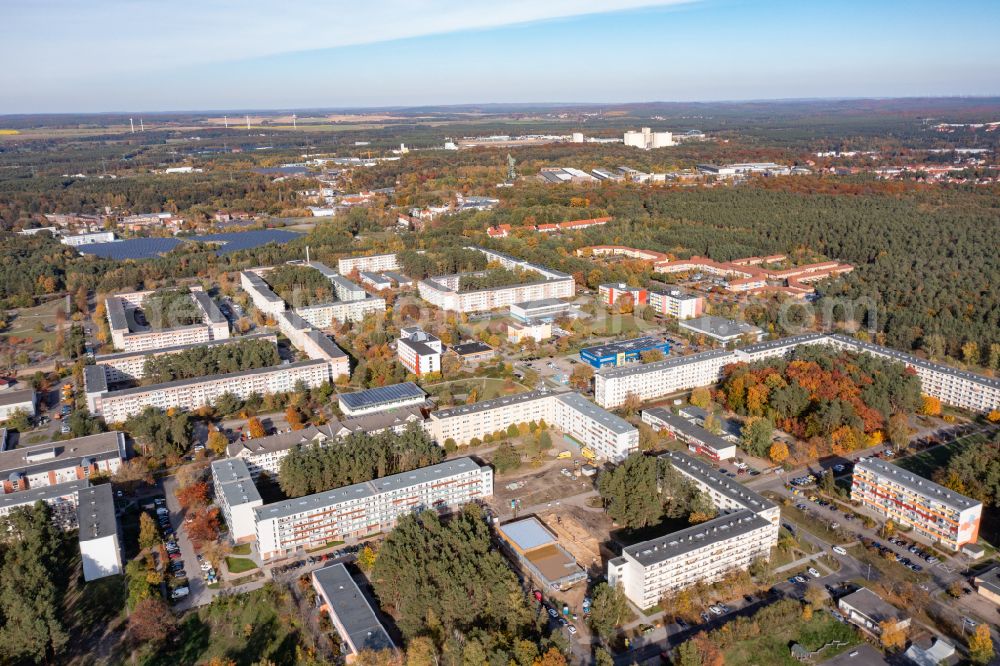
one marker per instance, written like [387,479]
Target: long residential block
[43,465]
[128,334]
[608,436]
[190,394]
[745,531]
[376,263]
[934,512]
[350,612]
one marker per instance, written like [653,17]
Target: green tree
[757,436]
[506,458]
[630,492]
[608,610]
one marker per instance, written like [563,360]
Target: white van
[180,593]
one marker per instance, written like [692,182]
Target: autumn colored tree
[632,404]
[981,645]
[149,535]
[294,417]
[701,397]
[204,525]
[217,442]
[551,658]
[581,377]
[778,453]
[893,636]
[151,621]
[930,405]
[193,496]
[255,428]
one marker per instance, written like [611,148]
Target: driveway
[199,594]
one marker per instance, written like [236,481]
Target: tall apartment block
[935,513]
[746,530]
[376,263]
[653,380]
[355,511]
[419,352]
[608,436]
[130,334]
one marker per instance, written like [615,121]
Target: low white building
[381,398]
[539,331]
[88,239]
[13,401]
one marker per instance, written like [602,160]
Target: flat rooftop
[107,358]
[139,390]
[95,512]
[698,536]
[493,403]
[615,424]
[353,611]
[328,346]
[57,455]
[718,327]
[725,486]
[917,484]
[688,429]
[793,341]
[542,304]
[666,364]
[623,346]
[527,534]
[467,348]
[872,606]
[292,507]
[381,395]
[42,494]
[16,396]
[209,307]
[116,313]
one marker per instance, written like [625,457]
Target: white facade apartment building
[653,380]
[355,511]
[375,263]
[261,294]
[13,401]
[129,366]
[327,314]
[746,531]
[51,464]
[607,435]
[419,352]
[444,291]
[676,303]
[190,394]
[237,496]
[128,335]
[313,343]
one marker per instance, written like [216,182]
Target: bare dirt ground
[580,531]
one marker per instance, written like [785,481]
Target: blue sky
[149,55]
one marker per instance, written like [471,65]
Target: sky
[68,56]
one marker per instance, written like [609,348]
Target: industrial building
[537,552]
[720,329]
[935,513]
[648,139]
[619,353]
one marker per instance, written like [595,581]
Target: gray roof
[354,612]
[718,326]
[872,606]
[281,441]
[95,512]
[139,390]
[989,579]
[688,429]
[917,484]
[656,366]
[527,533]
[327,498]
[861,655]
[17,396]
[379,420]
[209,307]
[295,320]
[95,379]
[235,482]
[116,313]
[261,286]
[327,272]
[103,446]
[493,403]
[706,474]
[542,303]
[673,292]
[615,424]
[467,348]
[373,277]
[698,536]
[397,277]
[417,344]
[328,346]
[382,395]
[622,346]
[343,283]
[909,359]
[793,341]
[44,494]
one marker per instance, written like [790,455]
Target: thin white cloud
[70,39]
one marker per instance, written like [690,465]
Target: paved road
[200,594]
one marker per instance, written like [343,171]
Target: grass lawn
[328,544]
[927,462]
[486,388]
[774,647]
[23,325]
[893,570]
[242,549]
[809,524]
[240,564]
[245,628]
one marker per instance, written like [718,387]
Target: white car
[840,550]
[179,593]
[812,572]
[715,609]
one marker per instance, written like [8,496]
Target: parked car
[839,550]
[715,610]
[812,572]
[180,593]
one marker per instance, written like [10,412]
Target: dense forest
[359,457]
[838,401]
[203,361]
[449,589]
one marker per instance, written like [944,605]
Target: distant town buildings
[648,139]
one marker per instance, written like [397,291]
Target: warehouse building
[546,309]
[619,353]
[722,330]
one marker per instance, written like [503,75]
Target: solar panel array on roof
[381,395]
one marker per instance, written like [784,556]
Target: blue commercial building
[615,354]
